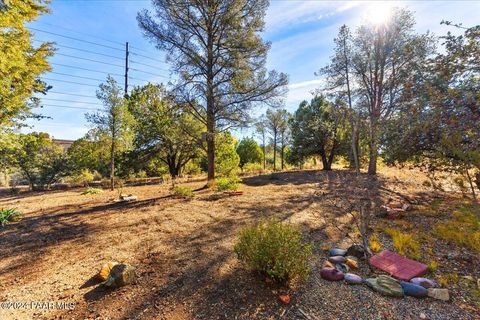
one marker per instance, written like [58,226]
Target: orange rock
[105,271]
[284,298]
[328,264]
[352,263]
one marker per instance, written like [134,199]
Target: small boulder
[331,274]
[120,275]
[284,298]
[337,252]
[424,282]
[337,259]
[439,294]
[414,290]
[385,285]
[351,263]
[351,278]
[356,250]
[342,267]
[105,270]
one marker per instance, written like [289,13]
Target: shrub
[84,177]
[92,191]
[252,167]
[228,183]
[433,266]
[9,215]
[274,249]
[404,243]
[463,228]
[184,192]
[374,243]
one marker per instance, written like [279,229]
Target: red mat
[397,266]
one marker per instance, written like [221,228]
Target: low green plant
[184,192]
[463,228]
[275,249]
[404,243]
[9,215]
[92,191]
[228,183]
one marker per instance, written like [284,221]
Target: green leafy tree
[39,159]
[90,153]
[249,151]
[227,160]
[216,49]
[315,131]
[114,121]
[162,129]
[21,63]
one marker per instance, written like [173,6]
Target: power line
[72,82]
[76,39]
[70,107]
[148,65]
[88,51]
[71,75]
[70,94]
[87,59]
[83,33]
[147,57]
[61,100]
[86,69]
[153,74]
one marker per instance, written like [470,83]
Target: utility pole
[126,68]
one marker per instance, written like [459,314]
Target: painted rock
[385,285]
[284,298]
[105,271]
[342,267]
[356,250]
[121,275]
[337,259]
[351,263]
[424,282]
[328,264]
[337,252]
[440,294]
[331,274]
[414,290]
[351,278]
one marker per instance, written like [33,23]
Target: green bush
[275,249]
[252,168]
[185,192]
[92,191]
[228,183]
[9,215]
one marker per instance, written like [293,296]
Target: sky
[90,37]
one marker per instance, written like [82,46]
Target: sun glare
[379,12]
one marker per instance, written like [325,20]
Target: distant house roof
[65,144]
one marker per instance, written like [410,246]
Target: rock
[351,263]
[351,278]
[105,270]
[337,259]
[120,275]
[284,298]
[439,294]
[424,282]
[356,250]
[337,252]
[328,264]
[413,290]
[385,285]
[423,316]
[478,283]
[342,267]
[406,207]
[331,274]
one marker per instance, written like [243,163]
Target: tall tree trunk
[355,146]
[275,151]
[264,153]
[112,165]
[282,151]
[325,164]
[472,187]
[373,151]
[210,108]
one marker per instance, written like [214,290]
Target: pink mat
[397,266]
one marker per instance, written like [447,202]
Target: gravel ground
[183,253]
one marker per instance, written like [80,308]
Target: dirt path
[183,254]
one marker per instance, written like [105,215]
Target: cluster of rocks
[340,261]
